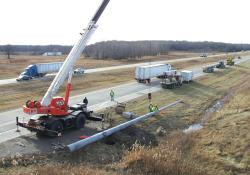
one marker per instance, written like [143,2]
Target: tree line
[34,49]
[132,49]
[128,49]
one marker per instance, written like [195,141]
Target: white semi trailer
[47,68]
[144,74]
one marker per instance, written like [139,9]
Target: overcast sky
[61,21]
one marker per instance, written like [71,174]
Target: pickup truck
[79,71]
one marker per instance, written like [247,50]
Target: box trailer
[187,75]
[145,73]
[46,68]
[39,70]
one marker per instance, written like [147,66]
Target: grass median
[205,152]
[15,95]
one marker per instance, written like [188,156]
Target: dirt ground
[104,156]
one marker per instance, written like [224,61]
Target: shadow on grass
[194,90]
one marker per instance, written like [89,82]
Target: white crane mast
[74,54]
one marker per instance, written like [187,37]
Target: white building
[52,54]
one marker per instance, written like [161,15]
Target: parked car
[204,55]
[79,71]
[23,77]
[208,69]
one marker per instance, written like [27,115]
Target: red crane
[55,115]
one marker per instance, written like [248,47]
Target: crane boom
[73,56]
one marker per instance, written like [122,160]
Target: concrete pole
[81,143]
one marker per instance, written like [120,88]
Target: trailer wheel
[80,121]
[56,126]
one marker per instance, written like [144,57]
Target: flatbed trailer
[171,82]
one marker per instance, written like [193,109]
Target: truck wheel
[40,134]
[56,126]
[27,103]
[80,121]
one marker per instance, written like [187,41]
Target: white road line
[11,134]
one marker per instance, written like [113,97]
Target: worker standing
[85,101]
[112,95]
[152,108]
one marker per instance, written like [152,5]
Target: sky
[42,22]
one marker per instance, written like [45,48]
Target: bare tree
[8,50]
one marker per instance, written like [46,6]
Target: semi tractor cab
[28,73]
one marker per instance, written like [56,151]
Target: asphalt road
[98,100]
[13,80]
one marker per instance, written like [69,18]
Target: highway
[96,70]
[97,100]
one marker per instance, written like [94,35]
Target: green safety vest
[153,108]
[112,93]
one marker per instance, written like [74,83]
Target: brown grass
[224,142]
[13,67]
[222,147]
[14,96]
[169,158]
[60,170]
[66,170]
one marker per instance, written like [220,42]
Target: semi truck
[144,74]
[220,65]
[39,70]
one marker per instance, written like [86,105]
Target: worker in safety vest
[152,108]
[112,95]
